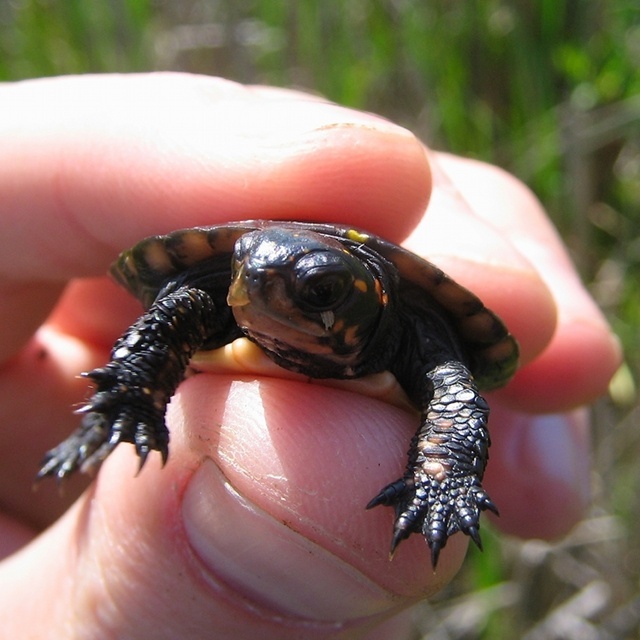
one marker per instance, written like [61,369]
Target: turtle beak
[237,295]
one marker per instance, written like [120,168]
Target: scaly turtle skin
[324,300]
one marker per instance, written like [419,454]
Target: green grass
[548,90]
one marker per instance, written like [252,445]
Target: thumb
[255,526]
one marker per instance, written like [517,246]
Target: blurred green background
[549,90]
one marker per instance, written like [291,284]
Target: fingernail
[554,447]
[267,561]
[275,120]
[539,472]
[560,442]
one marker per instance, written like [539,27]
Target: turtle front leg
[132,391]
[441,491]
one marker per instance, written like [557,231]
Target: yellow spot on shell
[357,236]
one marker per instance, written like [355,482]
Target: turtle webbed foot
[441,491]
[113,415]
[436,509]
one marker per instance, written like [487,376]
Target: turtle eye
[322,284]
[324,290]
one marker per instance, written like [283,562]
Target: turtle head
[307,300]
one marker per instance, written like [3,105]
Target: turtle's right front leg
[441,491]
[147,364]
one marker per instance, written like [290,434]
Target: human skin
[256,526]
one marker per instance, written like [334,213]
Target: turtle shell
[492,351]
[399,312]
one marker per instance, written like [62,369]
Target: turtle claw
[98,435]
[396,539]
[389,495]
[145,445]
[437,510]
[435,555]
[474,534]
[489,505]
[143,454]
[84,449]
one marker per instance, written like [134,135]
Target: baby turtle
[324,300]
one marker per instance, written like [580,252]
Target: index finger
[116,158]
[582,354]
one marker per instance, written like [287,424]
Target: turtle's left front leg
[132,391]
[441,491]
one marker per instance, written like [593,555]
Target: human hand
[256,526]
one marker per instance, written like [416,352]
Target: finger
[114,159]
[539,471]
[545,457]
[255,527]
[95,310]
[297,428]
[582,355]
[479,256]
[38,392]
